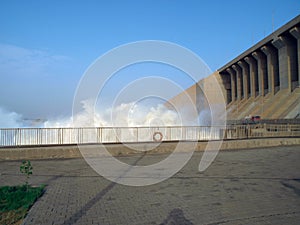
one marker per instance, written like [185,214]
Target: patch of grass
[15,201]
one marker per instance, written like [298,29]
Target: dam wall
[264,80]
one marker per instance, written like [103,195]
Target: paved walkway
[259,186]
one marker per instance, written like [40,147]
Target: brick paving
[260,186]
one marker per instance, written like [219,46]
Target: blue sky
[45,46]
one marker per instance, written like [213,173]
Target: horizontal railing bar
[55,128]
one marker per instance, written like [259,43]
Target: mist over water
[119,123]
[131,114]
[10,119]
[123,115]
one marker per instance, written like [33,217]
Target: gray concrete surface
[72,151]
[257,186]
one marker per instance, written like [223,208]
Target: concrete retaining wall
[120,150]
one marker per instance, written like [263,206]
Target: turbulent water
[128,122]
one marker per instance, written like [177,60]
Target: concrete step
[244,107]
[242,112]
[291,104]
[293,112]
[253,106]
[241,108]
[229,110]
[248,110]
[257,109]
[270,107]
[238,105]
[261,103]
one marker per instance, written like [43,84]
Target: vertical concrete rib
[233,84]
[287,55]
[296,34]
[272,67]
[253,75]
[262,72]
[227,85]
[246,78]
[238,72]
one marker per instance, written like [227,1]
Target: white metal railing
[64,136]
[262,130]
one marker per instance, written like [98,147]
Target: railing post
[18,139]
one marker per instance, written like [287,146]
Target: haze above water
[124,115]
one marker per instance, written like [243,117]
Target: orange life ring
[157,139]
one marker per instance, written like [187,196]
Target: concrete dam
[263,80]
